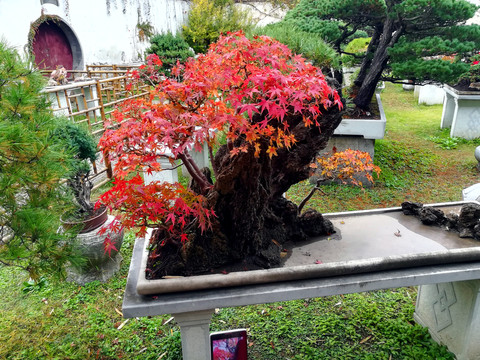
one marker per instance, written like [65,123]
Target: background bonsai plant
[32,163]
[409,39]
[470,80]
[84,149]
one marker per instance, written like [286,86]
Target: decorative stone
[469,215]
[411,208]
[431,216]
[477,153]
[467,222]
[314,224]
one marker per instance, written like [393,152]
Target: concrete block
[471,193]
[368,128]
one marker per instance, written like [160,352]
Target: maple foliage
[248,90]
[344,165]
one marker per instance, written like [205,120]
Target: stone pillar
[195,331]
[451,311]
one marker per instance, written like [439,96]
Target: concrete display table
[403,252]
[461,113]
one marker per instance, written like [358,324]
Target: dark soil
[352,112]
[464,85]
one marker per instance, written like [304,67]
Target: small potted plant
[85,216]
[98,245]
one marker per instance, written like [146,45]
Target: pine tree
[409,38]
[32,164]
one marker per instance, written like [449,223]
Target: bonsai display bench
[449,307]
[461,113]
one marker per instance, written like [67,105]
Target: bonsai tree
[409,38]
[275,110]
[84,149]
[32,163]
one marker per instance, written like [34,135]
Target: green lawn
[67,321]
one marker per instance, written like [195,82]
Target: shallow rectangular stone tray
[365,241]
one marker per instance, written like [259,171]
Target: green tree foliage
[354,51]
[32,163]
[409,38]
[83,147]
[210,18]
[169,49]
[310,45]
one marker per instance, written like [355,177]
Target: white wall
[106,29]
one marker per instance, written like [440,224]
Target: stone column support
[451,311]
[195,331]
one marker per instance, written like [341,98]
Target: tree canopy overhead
[410,39]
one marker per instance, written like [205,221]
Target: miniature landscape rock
[466,223]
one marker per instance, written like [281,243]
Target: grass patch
[67,321]
[336,327]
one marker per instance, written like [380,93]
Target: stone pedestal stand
[195,331]
[461,113]
[193,309]
[451,311]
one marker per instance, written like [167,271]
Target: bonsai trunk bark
[368,82]
[253,215]
[253,219]
[367,60]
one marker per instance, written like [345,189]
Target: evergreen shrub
[210,18]
[33,161]
[170,49]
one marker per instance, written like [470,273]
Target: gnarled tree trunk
[253,217]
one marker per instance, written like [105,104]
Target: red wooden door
[51,47]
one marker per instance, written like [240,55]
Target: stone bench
[447,302]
